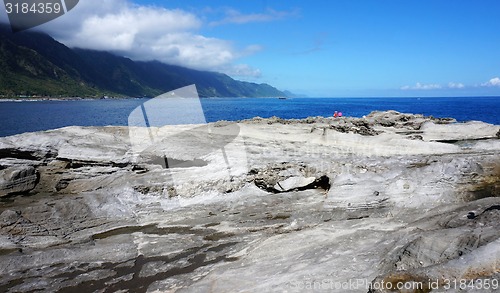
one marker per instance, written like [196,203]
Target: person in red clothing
[336,114]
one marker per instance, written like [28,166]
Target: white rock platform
[262,205]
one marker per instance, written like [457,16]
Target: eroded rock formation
[17,179]
[265,205]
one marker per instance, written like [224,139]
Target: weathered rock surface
[265,205]
[285,177]
[17,180]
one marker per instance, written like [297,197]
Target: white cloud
[419,86]
[130,27]
[453,85]
[433,86]
[492,82]
[148,33]
[236,17]
[243,70]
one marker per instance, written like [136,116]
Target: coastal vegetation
[35,65]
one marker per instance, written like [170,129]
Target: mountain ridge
[35,64]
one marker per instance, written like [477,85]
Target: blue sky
[371,47]
[318,48]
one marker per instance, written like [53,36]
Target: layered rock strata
[262,205]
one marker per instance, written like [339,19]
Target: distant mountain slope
[294,95]
[33,63]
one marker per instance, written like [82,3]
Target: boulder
[294,183]
[17,179]
[287,176]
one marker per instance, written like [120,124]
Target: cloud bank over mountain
[148,33]
[325,49]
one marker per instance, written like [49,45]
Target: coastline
[4,99]
[64,99]
[390,196]
[91,112]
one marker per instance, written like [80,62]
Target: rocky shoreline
[262,205]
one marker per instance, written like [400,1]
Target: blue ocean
[29,116]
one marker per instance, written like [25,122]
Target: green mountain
[33,63]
